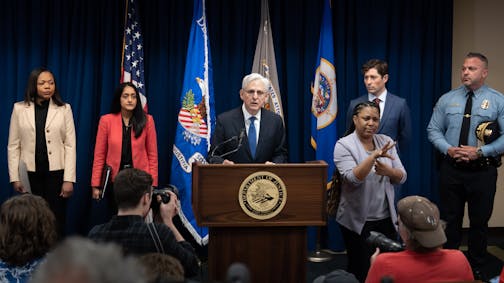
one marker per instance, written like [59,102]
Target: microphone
[233,138]
[240,141]
[238,273]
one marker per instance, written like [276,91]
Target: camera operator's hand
[168,211]
[373,257]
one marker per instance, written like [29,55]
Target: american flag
[132,66]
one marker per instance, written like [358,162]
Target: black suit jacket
[270,146]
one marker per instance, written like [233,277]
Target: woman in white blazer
[42,142]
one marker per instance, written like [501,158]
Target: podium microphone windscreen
[238,273]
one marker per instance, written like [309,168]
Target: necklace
[367,145]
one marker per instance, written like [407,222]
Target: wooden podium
[274,249]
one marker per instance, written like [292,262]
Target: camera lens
[165,198]
[377,239]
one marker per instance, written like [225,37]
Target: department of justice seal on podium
[262,195]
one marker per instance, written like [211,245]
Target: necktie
[466,120]
[252,136]
[377,101]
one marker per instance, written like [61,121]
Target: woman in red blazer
[126,138]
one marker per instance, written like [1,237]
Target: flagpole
[124,39]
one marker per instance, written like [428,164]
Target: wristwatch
[479,152]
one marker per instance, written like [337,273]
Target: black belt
[478,164]
[124,166]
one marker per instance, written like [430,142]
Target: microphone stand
[232,151]
[240,141]
[212,154]
[319,255]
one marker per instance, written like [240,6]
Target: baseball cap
[421,217]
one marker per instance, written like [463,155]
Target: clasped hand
[463,153]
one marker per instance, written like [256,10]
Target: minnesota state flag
[324,101]
[325,109]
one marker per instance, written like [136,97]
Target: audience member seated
[27,233]
[133,195]
[337,276]
[162,268]
[80,260]
[238,273]
[424,259]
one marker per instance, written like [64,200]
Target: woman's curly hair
[27,229]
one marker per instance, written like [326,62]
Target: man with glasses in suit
[250,133]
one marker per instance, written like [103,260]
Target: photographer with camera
[133,194]
[424,259]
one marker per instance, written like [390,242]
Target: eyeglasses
[251,92]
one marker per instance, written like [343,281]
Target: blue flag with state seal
[195,119]
[325,106]
[324,100]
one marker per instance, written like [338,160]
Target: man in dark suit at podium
[249,134]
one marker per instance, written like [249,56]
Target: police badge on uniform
[485,104]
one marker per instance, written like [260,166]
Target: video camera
[165,196]
[377,239]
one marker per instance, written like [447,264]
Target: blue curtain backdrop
[81,42]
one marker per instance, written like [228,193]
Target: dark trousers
[477,188]
[111,203]
[48,186]
[358,251]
